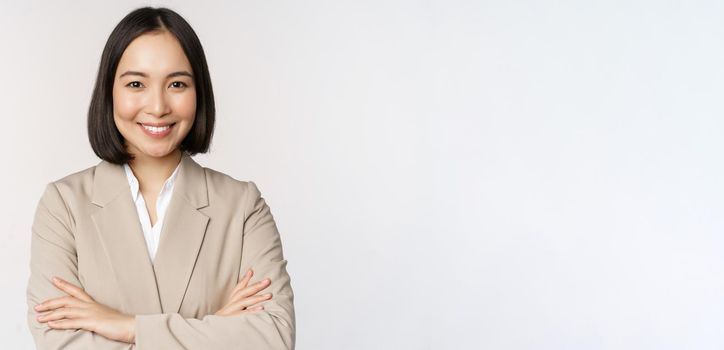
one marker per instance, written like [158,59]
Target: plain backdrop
[444,174]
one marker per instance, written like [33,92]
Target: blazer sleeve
[53,253]
[271,328]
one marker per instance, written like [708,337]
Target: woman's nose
[157,104]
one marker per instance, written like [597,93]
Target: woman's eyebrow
[174,74]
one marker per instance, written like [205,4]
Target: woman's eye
[176,84]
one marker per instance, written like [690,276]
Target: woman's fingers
[250,301]
[58,314]
[246,304]
[71,289]
[74,324]
[242,284]
[229,312]
[250,290]
[56,303]
[243,297]
[251,309]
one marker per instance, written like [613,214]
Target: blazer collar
[146,286]
[110,180]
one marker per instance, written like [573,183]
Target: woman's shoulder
[76,176]
[222,181]
[76,181]
[60,192]
[231,193]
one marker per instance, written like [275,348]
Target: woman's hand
[78,310]
[242,297]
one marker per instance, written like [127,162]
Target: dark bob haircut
[106,140]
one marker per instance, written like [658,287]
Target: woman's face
[154,86]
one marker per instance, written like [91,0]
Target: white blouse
[152,234]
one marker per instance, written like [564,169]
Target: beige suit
[86,230]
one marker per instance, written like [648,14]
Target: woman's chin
[154,153]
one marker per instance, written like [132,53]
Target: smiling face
[154,99]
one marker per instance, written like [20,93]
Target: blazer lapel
[121,235]
[182,234]
[158,286]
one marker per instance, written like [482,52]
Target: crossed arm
[78,322]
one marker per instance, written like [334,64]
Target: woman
[148,249]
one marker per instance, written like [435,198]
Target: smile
[157,131]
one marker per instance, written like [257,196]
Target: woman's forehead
[156,54]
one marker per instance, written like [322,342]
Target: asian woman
[148,249]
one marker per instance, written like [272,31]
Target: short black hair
[105,139]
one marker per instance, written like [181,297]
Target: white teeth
[156,130]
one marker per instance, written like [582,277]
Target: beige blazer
[86,230]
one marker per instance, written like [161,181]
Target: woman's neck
[152,172]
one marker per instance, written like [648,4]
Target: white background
[444,174]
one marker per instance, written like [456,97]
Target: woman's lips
[157,134]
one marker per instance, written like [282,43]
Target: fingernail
[56,280]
